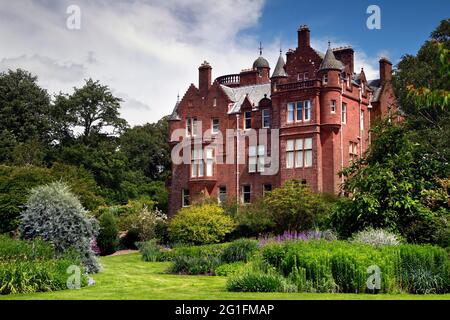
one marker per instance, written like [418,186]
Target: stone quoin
[322,109]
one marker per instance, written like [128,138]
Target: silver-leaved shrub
[54,214]
[376,237]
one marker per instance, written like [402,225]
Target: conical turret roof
[330,62]
[279,68]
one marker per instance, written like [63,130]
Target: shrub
[200,224]
[294,206]
[258,282]
[376,237]
[16,183]
[129,239]
[320,266]
[139,217]
[11,249]
[424,269]
[32,266]
[229,269]
[196,260]
[54,214]
[240,250]
[152,252]
[148,222]
[252,219]
[107,239]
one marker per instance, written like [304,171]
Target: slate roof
[260,63]
[254,93]
[174,115]
[279,68]
[375,85]
[330,61]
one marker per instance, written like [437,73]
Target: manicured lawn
[127,277]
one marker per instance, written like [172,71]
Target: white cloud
[145,50]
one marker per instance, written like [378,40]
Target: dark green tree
[24,106]
[147,149]
[93,108]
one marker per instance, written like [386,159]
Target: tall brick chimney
[385,70]
[204,78]
[303,36]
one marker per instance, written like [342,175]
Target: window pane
[252,164]
[200,168]
[298,144]
[290,159]
[308,143]
[308,158]
[290,112]
[261,150]
[299,110]
[194,126]
[252,151]
[261,164]
[299,159]
[290,145]
[307,110]
[193,169]
[209,168]
[209,153]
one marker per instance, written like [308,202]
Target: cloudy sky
[148,51]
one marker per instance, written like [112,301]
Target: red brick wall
[330,138]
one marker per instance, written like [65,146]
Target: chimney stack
[204,78]
[385,70]
[303,36]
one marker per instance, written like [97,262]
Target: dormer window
[325,79]
[265,118]
[247,120]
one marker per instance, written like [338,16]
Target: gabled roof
[254,94]
[279,68]
[330,62]
[375,85]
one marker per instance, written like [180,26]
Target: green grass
[127,277]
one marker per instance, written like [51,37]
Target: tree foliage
[401,184]
[17,182]
[295,207]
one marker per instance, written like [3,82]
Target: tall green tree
[93,108]
[24,117]
[147,149]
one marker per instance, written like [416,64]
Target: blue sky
[148,51]
[405,25]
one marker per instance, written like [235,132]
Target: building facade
[244,134]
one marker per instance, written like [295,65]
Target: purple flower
[294,236]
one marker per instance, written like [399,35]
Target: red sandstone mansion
[319,108]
